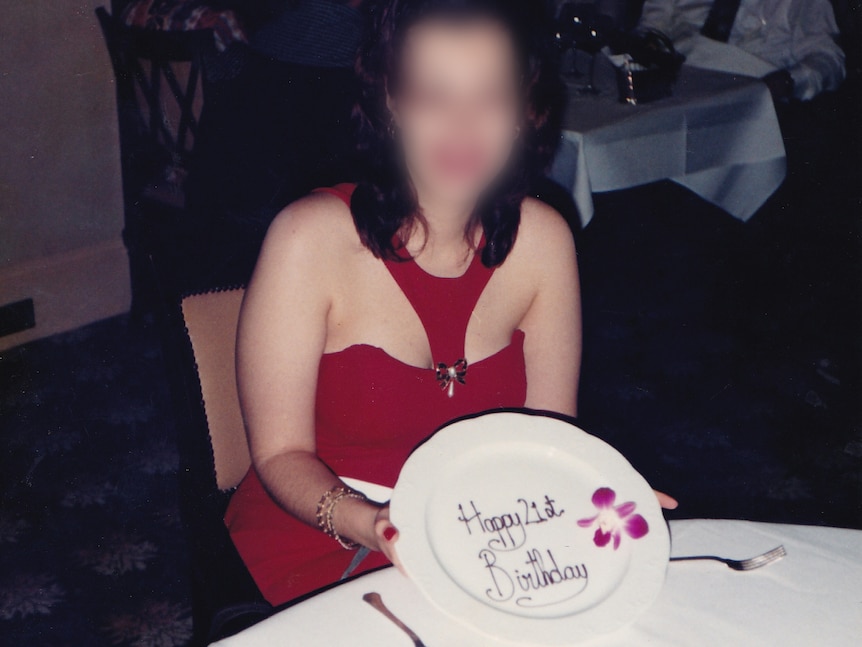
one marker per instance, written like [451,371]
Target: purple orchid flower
[612,520]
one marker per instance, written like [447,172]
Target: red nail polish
[389,533]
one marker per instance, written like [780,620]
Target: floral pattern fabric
[186,15]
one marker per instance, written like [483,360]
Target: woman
[436,272]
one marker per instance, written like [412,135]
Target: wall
[60,188]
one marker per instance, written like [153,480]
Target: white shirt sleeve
[819,65]
[797,34]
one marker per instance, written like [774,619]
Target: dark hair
[384,202]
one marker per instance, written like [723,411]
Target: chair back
[159,99]
[211,323]
[198,335]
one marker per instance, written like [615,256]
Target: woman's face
[457,107]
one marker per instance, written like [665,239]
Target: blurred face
[457,107]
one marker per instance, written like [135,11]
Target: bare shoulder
[318,224]
[543,236]
[314,232]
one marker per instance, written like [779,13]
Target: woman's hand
[387,535]
[666,501]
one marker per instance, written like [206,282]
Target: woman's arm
[552,346]
[281,337]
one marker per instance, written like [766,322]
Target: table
[718,135]
[811,597]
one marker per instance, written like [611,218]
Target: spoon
[376,601]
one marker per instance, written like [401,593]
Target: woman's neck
[441,242]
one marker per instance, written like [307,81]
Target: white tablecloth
[810,598]
[718,135]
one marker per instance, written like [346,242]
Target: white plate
[499,527]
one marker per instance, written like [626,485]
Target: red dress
[371,411]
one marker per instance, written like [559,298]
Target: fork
[376,601]
[749,564]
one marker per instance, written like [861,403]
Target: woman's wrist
[354,519]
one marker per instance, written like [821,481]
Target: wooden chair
[199,350]
[159,82]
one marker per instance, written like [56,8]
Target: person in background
[278,125]
[796,37]
[317,33]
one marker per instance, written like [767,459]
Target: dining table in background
[813,596]
[717,135]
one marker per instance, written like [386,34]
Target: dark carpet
[721,358]
[91,547]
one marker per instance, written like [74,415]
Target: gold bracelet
[325,508]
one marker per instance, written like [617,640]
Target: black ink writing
[534,515]
[542,571]
[502,588]
[542,574]
[508,530]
